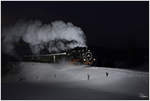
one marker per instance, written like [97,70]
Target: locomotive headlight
[88,55]
[84,59]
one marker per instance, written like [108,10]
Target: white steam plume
[54,37]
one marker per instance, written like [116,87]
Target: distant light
[142,95]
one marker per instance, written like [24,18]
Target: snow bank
[98,78]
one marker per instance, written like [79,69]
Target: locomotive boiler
[78,55]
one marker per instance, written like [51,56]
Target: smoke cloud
[54,37]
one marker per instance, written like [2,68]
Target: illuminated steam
[56,36]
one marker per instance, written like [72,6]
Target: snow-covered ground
[125,82]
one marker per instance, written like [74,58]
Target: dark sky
[117,25]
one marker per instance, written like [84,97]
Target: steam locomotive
[78,55]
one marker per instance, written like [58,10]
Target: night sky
[116,25]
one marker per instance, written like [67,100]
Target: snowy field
[92,82]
